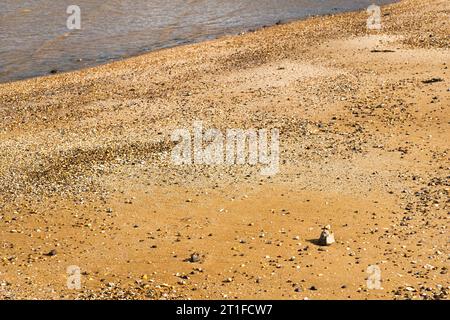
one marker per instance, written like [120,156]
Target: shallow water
[35,40]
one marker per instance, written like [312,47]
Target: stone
[51,253]
[432,80]
[326,237]
[195,257]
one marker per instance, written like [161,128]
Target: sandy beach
[87,178]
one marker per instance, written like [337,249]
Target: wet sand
[87,178]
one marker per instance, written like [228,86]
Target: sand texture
[87,179]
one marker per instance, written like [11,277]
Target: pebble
[195,257]
[326,237]
[51,253]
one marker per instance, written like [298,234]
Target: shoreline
[124,60]
[211,38]
[86,177]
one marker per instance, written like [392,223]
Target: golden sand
[87,178]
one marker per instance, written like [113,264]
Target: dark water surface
[34,38]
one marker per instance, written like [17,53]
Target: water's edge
[59,58]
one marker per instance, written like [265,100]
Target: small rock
[195,257]
[51,253]
[326,237]
[432,80]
